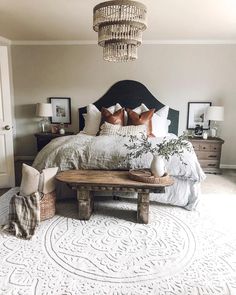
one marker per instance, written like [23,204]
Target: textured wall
[176,74]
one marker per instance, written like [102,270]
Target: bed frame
[130,94]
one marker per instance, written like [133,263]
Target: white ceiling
[71,20]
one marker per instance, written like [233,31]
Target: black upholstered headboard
[131,94]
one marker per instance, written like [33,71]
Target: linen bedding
[82,151]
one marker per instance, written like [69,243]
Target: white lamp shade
[43,110]
[215,113]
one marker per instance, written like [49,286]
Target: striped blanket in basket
[24,215]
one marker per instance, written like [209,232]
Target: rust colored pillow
[117,118]
[144,118]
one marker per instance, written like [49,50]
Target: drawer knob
[212,156]
[212,165]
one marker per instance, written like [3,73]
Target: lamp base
[213,132]
[45,125]
[214,129]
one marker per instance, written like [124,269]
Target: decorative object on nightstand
[208,152]
[62,129]
[215,113]
[197,115]
[205,135]
[44,110]
[198,130]
[54,129]
[44,138]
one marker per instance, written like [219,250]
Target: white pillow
[160,123]
[110,129]
[32,181]
[140,109]
[47,183]
[93,118]
[160,126]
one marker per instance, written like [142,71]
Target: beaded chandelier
[120,24]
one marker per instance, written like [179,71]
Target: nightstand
[208,152]
[44,138]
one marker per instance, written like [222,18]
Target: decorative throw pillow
[160,123]
[144,118]
[29,181]
[140,109]
[116,118]
[93,118]
[111,129]
[33,181]
[47,180]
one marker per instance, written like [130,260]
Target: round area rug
[178,252]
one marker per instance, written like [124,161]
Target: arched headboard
[130,94]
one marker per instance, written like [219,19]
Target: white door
[7,178]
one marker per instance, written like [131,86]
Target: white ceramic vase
[158,166]
[62,131]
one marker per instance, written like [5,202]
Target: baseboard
[24,158]
[4,41]
[225,166]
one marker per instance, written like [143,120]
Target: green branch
[139,145]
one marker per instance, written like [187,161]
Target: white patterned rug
[178,252]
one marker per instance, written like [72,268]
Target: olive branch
[139,145]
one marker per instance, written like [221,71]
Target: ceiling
[71,20]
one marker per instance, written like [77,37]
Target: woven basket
[48,206]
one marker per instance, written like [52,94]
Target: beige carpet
[225,183]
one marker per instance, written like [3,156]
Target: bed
[86,151]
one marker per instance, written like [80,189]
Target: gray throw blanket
[24,215]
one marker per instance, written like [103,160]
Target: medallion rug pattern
[178,252]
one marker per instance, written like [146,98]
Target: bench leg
[143,208]
[85,204]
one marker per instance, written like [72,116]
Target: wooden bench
[88,181]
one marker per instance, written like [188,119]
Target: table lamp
[215,113]
[44,110]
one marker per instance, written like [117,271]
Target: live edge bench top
[105,178]
[88,181]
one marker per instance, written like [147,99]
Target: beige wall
[176,74]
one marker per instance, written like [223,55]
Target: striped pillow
[110,129]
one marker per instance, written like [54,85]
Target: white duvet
[109,152]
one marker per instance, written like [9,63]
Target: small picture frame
[54,129]
[197,115]
[61,110]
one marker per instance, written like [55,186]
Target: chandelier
[120,24]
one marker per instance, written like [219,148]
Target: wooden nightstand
[208,152]
[44,138]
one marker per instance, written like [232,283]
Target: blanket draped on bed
[24,215]
[109,152]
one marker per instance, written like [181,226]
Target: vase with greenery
[141,145]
